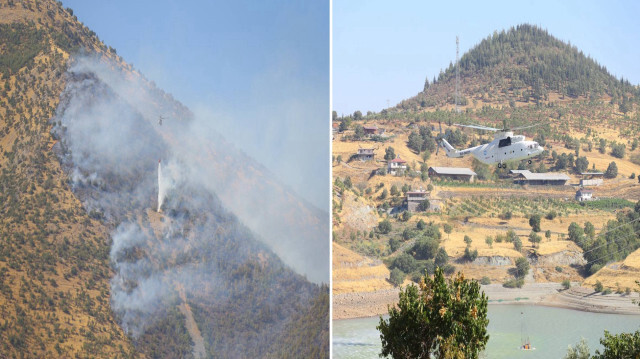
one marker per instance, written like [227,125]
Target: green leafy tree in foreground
[620,346]
[581,351]
[446,318]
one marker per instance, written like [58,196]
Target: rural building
[397,166]
[452,173]
[592,174]
[591,182]
[414,198]
[584,195]
[365,154]
[515,173]
[541,179]
[370,130]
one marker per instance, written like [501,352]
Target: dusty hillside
[588,121]
[53,254]
[58,222]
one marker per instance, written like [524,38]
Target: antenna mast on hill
[457,72]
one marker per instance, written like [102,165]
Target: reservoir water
[550,330]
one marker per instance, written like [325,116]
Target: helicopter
[504,148]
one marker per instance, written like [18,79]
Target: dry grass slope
[54,288]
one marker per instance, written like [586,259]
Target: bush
[607,291]
[522,267]
[598,287]
[424,206]
[384,227]
[384,194]
[408,233]
[467,240]
[558,269]
[594,268]
[489,241]
[617,150]
[405,262]
[425,248]
[470,255]
[513,283]
[506,215]
[612,170]
[517,244]
[566,284]
[485,280]
[551,215]
[396,277]
[406,215]
[421,225]
[394,244]
[534,238]
[534,222]
[442,258]
[449,269]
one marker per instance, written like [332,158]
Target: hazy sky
[258,69]
[384,50]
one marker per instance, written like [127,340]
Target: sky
[258,69]
[383,51]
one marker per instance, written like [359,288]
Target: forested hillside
[54,257]
[524,64]
[65,291]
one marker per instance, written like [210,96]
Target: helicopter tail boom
[451,152]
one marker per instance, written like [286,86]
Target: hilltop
[588,122]
[523,65]
[65,291]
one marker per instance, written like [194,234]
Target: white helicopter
[505,147]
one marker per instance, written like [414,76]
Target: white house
[584,195]
[397,166]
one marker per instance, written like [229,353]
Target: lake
[550,330]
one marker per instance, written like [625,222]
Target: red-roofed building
[396,166]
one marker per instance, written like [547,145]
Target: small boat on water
[525,344]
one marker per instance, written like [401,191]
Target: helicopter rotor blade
[477,127]
[523,127]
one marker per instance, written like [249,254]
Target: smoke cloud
[110,140]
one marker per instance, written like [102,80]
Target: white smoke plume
[109,143]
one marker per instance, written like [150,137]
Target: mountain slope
[60,215]
[53,255]
[524,64]
[587,121]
